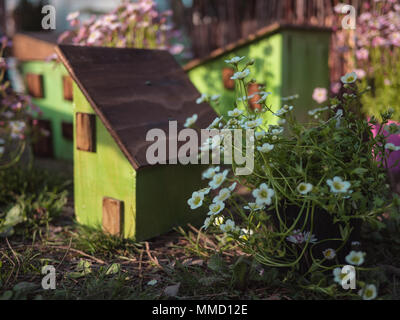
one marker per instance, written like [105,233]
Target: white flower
[235,113]
[1,150]
[206,223]
[299,237]
[320,95]
[245,234]
[228,226]
[223,194]
[203,98]
[210,173]
[338,185]
[259,135]
[252,124]
[218,221]
[235,60]
[196,201]
[218,179]
[283,110]
[216,208]
[356,258]
[215,97]
[338,275]
[241,74]
[277,131]
[152,282]
[211,143]
[94,36]
[349,78]
[317,110]
[263,97]
[392,147]
[329,254]
[205,191]
[190,121]
[215,123]
[369,292]
[246,98]
[253,206]
[17,128]
[233,186]
[266,147]
[263,194]
[304,188]
[73,16]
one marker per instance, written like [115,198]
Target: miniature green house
[119,95]
[289,60]
[50,87]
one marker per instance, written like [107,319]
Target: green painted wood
[155,198]
[105,173]
[53,105]
[162,193]
[288,62]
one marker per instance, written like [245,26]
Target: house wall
[288,62]
[105,173]
[267,54]
[53,105]
[162,193]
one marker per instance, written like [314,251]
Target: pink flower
[360,73]
[320,95]
[378,41]
[335,87]
[362,54]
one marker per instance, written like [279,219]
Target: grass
[183,264]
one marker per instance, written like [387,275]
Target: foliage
[131,25]
[313,186]
[16,111]
[29,200]
[378,57]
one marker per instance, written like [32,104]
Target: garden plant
[314,187]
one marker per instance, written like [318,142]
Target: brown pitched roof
[263,32]
[133,91]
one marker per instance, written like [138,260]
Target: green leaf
[114,268]
[25,286]
[7,295]
[14,216]
[216,263]
[359,171]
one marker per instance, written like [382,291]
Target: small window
[43,139]
[67,88]
[113,213]
[227,73]
[67,130]
[34,83]
[252,88]
[86,132]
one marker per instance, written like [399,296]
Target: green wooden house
[119,95]
[289,60]
[50,87]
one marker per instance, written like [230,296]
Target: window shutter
[34,83]
[113,216]
[67,88]
[86,132]
[227,73]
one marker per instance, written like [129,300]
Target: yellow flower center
[338,185]
[196,200]
[264,194]
[355,259]
[369,293]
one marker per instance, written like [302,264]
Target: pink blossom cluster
[16,110]
[131,25]
[379,28]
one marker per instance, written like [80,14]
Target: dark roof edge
[261,33]
[64,60]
